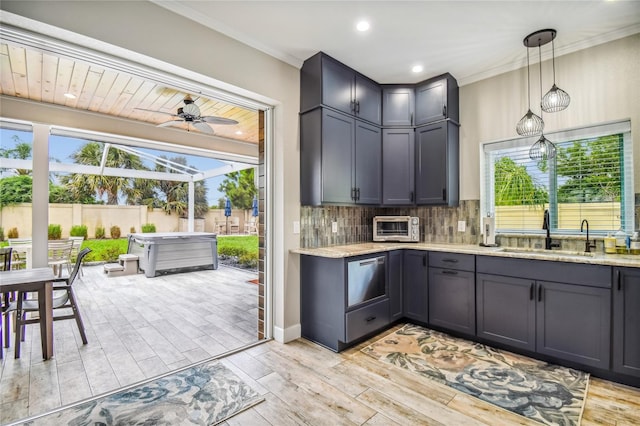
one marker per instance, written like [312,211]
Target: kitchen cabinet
[398,167]
[437,164]
[437,99]
[416,297]
[452,293]
[326,81]
[340,159]
[343,300]
[395,281]
[398,105]
[572,318]
[626,321]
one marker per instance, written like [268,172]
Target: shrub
[13,233]
[99,232]
[55,231]
[250,260]
[79,231]
[148,227]
[1,233]
[115,232]
[132,230]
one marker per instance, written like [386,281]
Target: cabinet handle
[357,107]
[449,272]
[411,195]
[424,260]
[619,280]
[352,105]
[370,319]
[357,194]
[444,110]
[450,260]
[353,194]
[531,292]
[540,294]
[444,194]
[411,120]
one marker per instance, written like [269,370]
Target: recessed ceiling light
[417,68]
[238,132]
[69,96]
[363,26]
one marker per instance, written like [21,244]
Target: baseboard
[284,335]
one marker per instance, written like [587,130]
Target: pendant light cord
[540,67]
[553,61]
[528,82]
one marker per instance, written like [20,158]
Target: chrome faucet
[588,245]
[548,242]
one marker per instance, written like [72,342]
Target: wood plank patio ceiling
[43,77]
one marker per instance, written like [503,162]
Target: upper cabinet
[325,81]
[398,105]
[437,99]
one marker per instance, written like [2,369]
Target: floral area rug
[543,392]
[205,394]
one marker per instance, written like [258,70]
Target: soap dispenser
[488,231]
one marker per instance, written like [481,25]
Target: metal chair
[75,250]
[59,255]
[5,265]
[63,298]
[19,260]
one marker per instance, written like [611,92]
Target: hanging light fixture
[556,99]
[530,124]
[543,148]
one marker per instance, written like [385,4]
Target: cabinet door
[395,285]
[506,310]
[452,300]
[368,100]
[573,323]
[626,321]
[431,102]
[437,164]
[397,106]
[337,157]
[415,296]
[368,163]
[337,85]
[398,166]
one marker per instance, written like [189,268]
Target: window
[590,178]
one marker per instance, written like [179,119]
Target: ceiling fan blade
[218,120]
[159,112]
[170,123]
[203,127]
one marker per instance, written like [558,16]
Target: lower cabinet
[626,321]
[415,297]
[395,284]
[452,292]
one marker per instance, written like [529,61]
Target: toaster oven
[396,228]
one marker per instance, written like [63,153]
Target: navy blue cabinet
[398,164]
[437,99]
[416,293]
[626,321]
[395,282]
[398,106]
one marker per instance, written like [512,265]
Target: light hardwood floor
[305,384]
[137,328]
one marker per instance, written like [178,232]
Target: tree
[15,190]
[240,188]
[21,151]
[176,194]
[515,186]
[112,186]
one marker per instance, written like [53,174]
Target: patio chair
[60,255]
[251,227]
[234,225]
[77,245]
[5,264]
[63,298]
[19,260]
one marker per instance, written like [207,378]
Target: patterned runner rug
[205,394]
[543,392]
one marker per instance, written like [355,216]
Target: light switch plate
[296,226]
[462,226]
[334,227]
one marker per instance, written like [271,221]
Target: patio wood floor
[137,328]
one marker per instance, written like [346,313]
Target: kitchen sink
[547,252]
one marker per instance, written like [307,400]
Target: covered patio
[137,328]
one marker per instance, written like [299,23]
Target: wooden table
[38,280]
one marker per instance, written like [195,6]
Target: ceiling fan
[190,114]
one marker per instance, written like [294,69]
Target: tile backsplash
[438,224]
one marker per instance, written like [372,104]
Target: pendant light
[543,148]
[530,124]
[556,99]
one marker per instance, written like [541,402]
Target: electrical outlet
[334,227]
[462,226]
[296,226]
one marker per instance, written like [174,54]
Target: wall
[161,36]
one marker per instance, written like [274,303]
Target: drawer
[461,262]
[367,319]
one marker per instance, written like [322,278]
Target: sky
[61,148]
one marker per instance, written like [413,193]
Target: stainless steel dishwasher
[366,280]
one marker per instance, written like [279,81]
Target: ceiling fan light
[542,149]
[530,125]
[555,100]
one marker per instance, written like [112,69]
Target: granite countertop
[521,253]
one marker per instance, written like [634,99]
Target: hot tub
[170,252]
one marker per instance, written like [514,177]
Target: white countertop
[537,254]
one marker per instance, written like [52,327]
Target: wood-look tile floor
[305,384]
[137,328]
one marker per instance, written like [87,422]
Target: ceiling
[470,39]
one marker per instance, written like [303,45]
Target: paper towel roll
[489,230]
